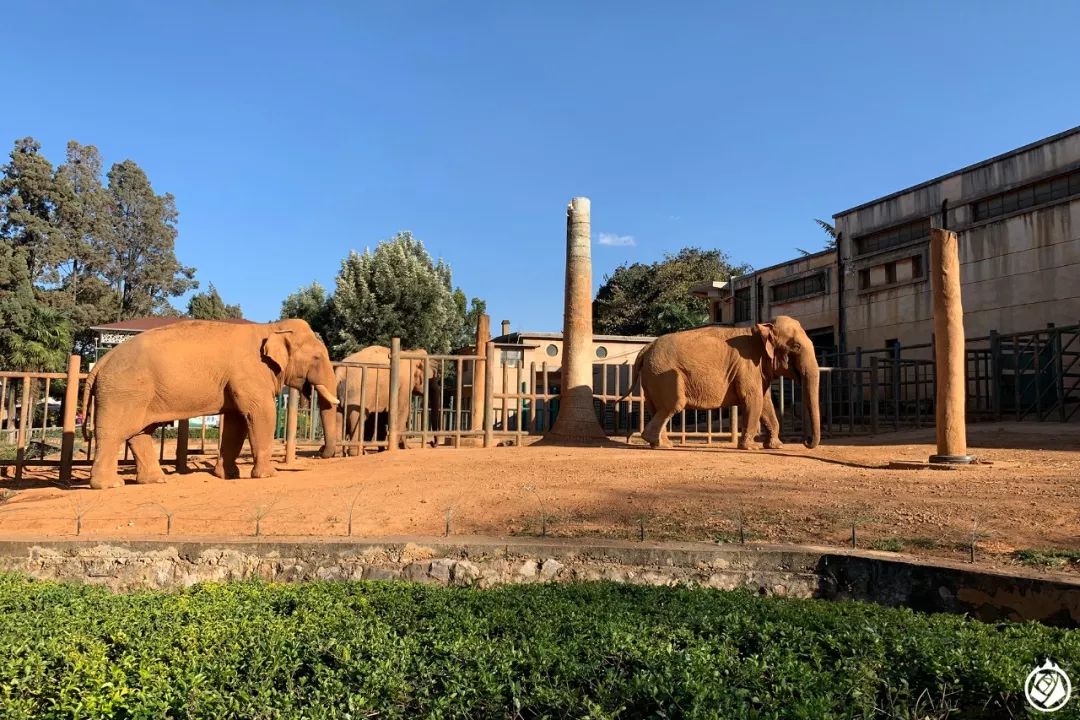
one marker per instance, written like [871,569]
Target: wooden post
[290,426]
[24,414]
[948,348]
[489,393]
[71,400]
[183,430]
[392,419]
[479,380]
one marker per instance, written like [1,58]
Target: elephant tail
[88,402]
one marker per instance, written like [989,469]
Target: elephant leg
[656,429]
[148,469]
[771,422]
[104,473]
[354,429]
[261,431]
[234,431]
[752,402]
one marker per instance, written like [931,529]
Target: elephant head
[302,362]
[790,353]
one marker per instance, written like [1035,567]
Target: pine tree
[209,306]
[139,253]
[33,336]
[30,211]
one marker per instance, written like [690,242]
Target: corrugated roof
[142,324]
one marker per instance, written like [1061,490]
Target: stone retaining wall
[796,571]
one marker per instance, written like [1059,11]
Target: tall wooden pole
[71,401]
[479,372]
[949,355]
[577,419]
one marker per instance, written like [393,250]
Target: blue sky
[291,133]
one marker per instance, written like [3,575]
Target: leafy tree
[653,299]
[33,336]
[209,306]
[139,254]
[310,303]
[29,210]
[470,312]
[397,290]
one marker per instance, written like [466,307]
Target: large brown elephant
[195,368]
[411,381]
[712,367]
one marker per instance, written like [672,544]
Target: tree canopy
[654,298]
[209,306]
[93,252]
[397,290]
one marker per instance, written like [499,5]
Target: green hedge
[354,650]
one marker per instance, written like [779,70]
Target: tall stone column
[949,357]
[577,419]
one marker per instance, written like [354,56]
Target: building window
[511,358]
[601,352]
[1056,188]
[810,285]
[904,270]
[893,237]
[742,305]
[552,350]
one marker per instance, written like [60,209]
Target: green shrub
[398,650]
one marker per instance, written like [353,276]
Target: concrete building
[805,288]
[537,349]
[1017,216]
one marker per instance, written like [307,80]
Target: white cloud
[616,240]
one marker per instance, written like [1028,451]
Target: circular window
[601,352]
[552,350]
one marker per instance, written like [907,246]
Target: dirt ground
[1028,497]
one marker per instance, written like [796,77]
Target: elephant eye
[795,347]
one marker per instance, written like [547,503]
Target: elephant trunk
[329,416]
[811,385]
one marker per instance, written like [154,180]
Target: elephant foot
[746,444]
[325,452]
[774,444]
[103,482]
[226,473]
[263,472]
[150,479]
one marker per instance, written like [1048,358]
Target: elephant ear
[275,348]
[768,338]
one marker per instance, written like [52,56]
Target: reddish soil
[1028,498]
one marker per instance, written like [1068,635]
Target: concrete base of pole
[952,459]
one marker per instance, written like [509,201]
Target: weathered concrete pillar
[949,357]
[577,420]
[479,372]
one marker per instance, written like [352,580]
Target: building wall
[1019,271]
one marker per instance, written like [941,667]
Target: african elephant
[411,380]
[194,368]
[712,367]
